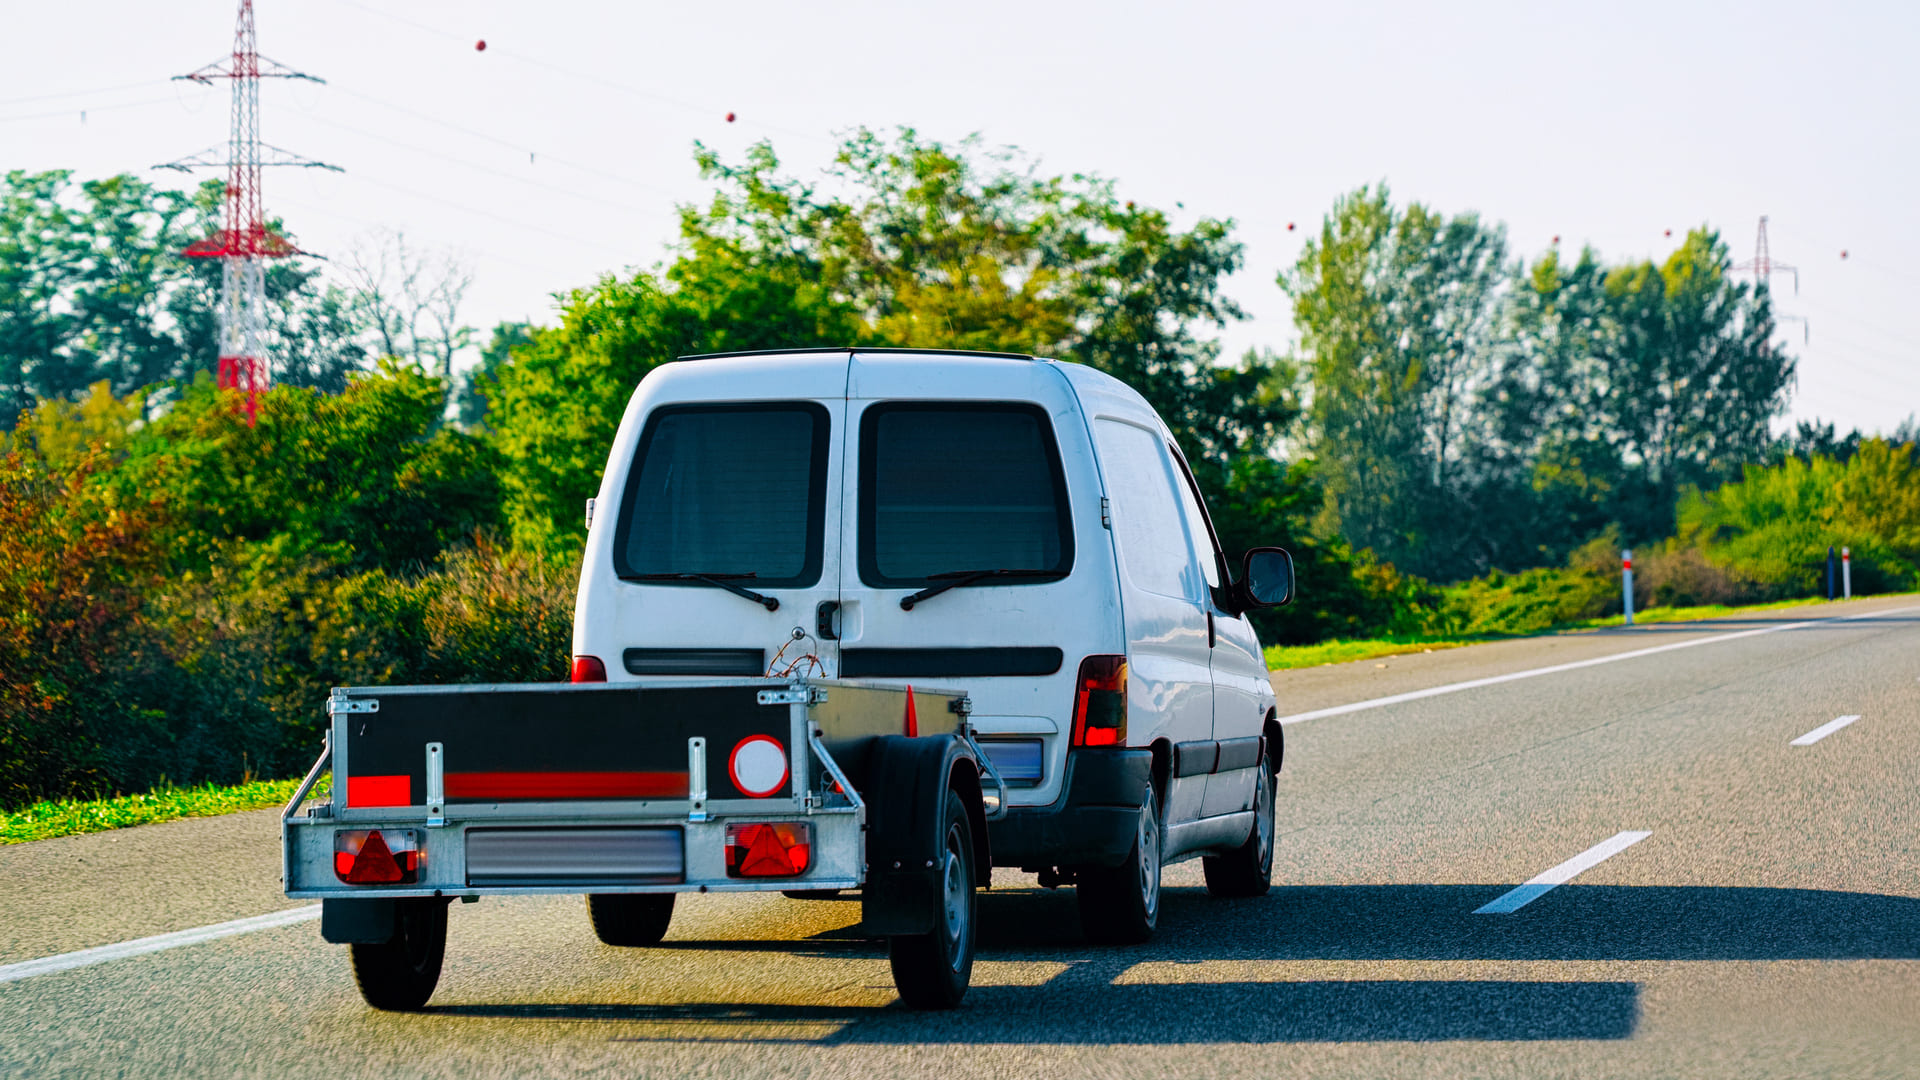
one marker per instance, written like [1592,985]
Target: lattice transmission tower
[245,241]
[1763,265]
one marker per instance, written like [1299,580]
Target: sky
[559,152]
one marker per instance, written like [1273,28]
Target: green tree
[369,478]
[1650,378]
[961,247]
[1398,312]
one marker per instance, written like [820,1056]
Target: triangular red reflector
[766,856]
[913,718]
[375,864]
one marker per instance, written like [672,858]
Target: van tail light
[769,849]
[589,669]
[378,856]
[1100,702]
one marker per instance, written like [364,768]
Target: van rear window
[949,487]
[728,490]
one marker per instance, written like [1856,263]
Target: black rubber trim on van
[931,663]
[1239,753]
[1195,758]
[750,662]
[1093,823]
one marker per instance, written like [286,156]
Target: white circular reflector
[758,765]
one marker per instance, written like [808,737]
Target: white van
[1023,528]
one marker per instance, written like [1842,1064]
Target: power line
[83,93]
[509,144]
[625,207]
[82,113]
[584,76]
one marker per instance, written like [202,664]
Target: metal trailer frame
[821,712]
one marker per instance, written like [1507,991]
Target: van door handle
[823,620]
[1210,637]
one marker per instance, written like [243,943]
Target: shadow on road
[1091,1003]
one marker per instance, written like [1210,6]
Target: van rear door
[723,545]
[959,554]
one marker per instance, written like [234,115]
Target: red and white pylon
[245,240]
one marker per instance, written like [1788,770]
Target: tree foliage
[1468,412]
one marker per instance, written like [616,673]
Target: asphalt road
[1767,925]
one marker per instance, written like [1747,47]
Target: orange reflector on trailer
[769,849]
[378,856]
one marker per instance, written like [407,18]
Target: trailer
[634,792]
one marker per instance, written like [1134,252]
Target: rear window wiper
[718,581]
[954,579]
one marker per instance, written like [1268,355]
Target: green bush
[1773,527]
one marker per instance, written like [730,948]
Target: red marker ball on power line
[1556,238]
[480,46]
[1843,253]
[729,118]
[1669,232]
[1289,226]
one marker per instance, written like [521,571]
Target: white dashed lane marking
[1515,899]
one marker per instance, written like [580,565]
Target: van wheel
[932,970]
[399,976]
[630,919]
[1248,869]
[1121,905]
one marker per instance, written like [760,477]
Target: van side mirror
[1266,578]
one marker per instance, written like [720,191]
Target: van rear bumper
[1092,824]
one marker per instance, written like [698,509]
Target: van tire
[1120,905]
[630,920]
[399,975]
[932,970]
[1248,869]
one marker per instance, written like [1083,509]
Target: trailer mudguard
[357,922]
[905,790]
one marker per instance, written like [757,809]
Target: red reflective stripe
[379,791]
[567,785]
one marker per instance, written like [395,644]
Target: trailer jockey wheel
[932,970]
[399,976]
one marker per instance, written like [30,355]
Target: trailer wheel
[399,976]
[1120,905]
[630,919]
[1248,869]
[932,970]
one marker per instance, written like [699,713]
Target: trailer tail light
[769,849]
[1100,702]
[589,669]
[378,856]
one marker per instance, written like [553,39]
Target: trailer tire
[932,970]
[1120,905]
[399,975]
[1248,869]
[630,920]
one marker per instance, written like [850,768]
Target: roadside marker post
[1846,573]
[1626,583]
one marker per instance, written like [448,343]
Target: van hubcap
[954,896]
[1149,842]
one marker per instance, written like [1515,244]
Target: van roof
[850,349]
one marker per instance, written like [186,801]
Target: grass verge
[1282,657]
[46,820]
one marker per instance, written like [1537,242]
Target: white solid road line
[1515,899]
[1823,731]
[47,965]
[1492,680]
